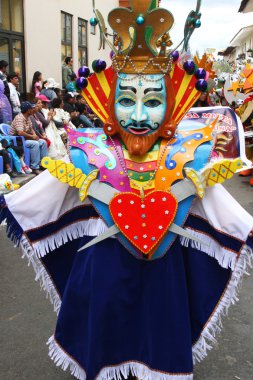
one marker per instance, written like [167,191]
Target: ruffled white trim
[42,276]
[61,359]
[139,370]
[226,258]
[214,325]
[91,227]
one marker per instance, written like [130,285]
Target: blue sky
[220,22]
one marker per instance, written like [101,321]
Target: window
[4,49]
[66,35]
[17,15]
[11,15]
[5,15]
[82,42]
[12,37]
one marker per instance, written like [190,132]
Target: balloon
[84,71]
[81,83]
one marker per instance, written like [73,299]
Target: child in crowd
[71,86]
[37,83]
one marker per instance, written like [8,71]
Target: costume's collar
[101,153]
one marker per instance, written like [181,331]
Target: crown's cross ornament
[140,27]
[163,43]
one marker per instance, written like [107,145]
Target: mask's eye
[152,103]
[127,102]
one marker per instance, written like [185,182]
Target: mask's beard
[138,145]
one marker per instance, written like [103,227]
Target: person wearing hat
[13,82]
[22,126]
[49,89]
[45,117]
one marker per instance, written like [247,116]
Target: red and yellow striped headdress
[142,48]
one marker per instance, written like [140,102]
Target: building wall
[245,44]
[42,25]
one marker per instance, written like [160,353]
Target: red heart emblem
[144,221]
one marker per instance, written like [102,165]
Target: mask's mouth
[138,130]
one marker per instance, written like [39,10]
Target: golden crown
[141,38]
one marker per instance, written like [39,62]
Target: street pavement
[27,321]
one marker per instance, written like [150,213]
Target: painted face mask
[140,109]
[140,105]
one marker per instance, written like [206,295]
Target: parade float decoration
[238,87]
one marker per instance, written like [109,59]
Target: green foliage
[222,67]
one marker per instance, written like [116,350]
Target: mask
[140,111]
[140,105]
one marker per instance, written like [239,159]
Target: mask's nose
[139,114]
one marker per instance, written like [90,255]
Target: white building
[246,6]
[241,46]
[36,35]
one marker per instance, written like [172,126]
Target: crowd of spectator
[40,123]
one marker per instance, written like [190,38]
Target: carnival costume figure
[137,244]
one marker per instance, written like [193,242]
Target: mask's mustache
[138,125]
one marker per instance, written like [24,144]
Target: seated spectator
[45,128]
[37,83]
[61,118]
[45,105]
[22,126]
[56,149]
[6,162]
[13,82]
[85,110]
[49,89]
[17,155]
[37,124]
[71,85]
[70,107]
[202,101]
[86,122]
[45,117]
